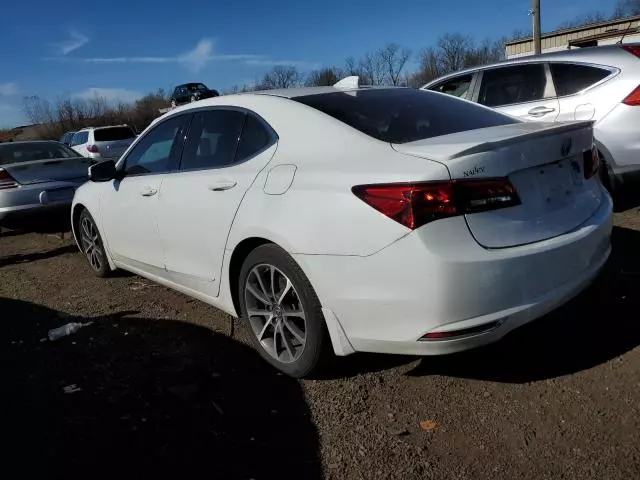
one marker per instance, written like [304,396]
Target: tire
[174,104]
[193,98]
[92,246]
[280,322]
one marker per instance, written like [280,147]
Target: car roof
[597,55]
[30,142]
[305,91]
[87,129]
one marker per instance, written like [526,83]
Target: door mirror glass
[103,171]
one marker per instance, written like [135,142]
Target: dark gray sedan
[37,179]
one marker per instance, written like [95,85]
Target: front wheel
[283,312]
[92,246]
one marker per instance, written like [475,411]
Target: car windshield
[401,115]
[111,134]
[27,152]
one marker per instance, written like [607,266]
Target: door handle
[540,111]
[148,192]
[222,186]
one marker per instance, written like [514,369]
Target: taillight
[591,161]
[633,99]
[6,180]
[416,204]
[633,49]
[92,148]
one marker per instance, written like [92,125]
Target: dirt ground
[160,386]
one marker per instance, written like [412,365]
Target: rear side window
[255,137]
[458,87]
[112,134]
[512,85]
[401,115]
[570,78]
[212,140]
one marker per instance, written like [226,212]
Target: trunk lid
[49,170]
[543,161]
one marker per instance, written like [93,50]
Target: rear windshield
[113,133]
[401,115]
[27,152]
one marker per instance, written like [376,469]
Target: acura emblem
[565,148]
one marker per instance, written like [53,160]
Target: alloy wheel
[91,244]
[275,313]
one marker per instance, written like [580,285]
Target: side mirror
[103,171]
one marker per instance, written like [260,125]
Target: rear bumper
[438,279]
[29,201]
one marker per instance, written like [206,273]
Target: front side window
[513,85]
[153,152]
[458,86]
[571,78]
[213,139]
[400,115]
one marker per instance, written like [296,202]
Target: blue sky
[124,49]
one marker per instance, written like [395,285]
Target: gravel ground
[161,385]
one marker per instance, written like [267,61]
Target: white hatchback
[101,143]
[366,219]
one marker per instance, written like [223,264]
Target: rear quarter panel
[319,214]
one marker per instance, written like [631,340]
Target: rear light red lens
[591,160]
[633,99]
[633,49]
[92,148]
[416,204]
[6,180]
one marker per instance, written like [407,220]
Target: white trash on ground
[65,330]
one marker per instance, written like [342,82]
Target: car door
[523,90]
[224,151]
[79,143]
[570,81]
[129,206]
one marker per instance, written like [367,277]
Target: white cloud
[74,42]
[111,95]
[7,89]
[195,59]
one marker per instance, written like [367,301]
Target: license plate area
[551,186]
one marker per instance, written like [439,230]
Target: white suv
[103,143]
[598,83]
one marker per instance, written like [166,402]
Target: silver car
[36,179]
[597,83]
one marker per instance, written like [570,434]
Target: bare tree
[429,67]
[489,51]
[583,20]
[324,77]
[626,8]
[454,48]
[394,58]
[281,76]
[374,69]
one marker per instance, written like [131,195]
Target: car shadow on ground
[34,256]
[597,326]
[139,398]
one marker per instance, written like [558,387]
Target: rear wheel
[174,104]
[92,246]
[193,98]
[283,312]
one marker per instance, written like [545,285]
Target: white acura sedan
[354,219]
